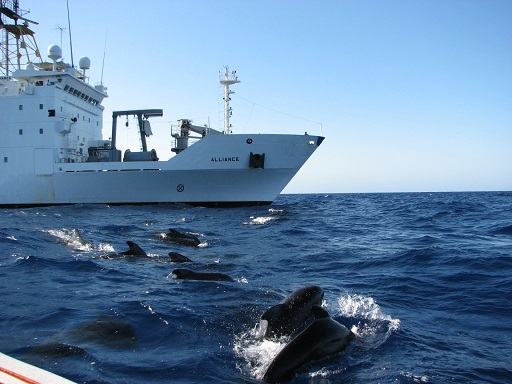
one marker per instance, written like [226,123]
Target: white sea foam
[416,378]
[373,326]
[105,247]
[257,352]
[72,238]
[259,220]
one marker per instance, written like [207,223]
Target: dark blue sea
[424,280]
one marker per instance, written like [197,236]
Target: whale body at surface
[286,318]
[323,337]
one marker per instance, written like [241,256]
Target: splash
[106,248]
[257,352]
[415,378]
[259,220]
[372,322]
[274,215]
[72,238]
[323,374]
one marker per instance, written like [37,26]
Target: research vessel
[52,150]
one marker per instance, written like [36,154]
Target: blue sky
[410,95]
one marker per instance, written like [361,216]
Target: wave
[441,260]
[503,230]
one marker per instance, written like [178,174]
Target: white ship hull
[213,171]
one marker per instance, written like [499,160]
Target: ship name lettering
[220,159]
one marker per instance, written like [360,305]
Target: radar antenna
[62,29]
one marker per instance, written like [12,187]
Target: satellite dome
[30,67]
[54,52]
[84,63]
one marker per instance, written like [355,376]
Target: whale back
[178,258]
[187,274]
[323,337]
[286,318]
[176,237]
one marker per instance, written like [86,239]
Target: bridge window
[40,106]
[20,132]
[20,107]
[5,159]
[40,131]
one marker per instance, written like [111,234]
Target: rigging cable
[282,113]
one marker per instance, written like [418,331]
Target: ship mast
[227,80]
[17,39]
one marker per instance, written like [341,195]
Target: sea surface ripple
[423,279]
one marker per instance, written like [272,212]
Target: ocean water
[423,279]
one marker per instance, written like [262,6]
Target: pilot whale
[286,318]
[133,251]
[186,274]
[57,350]
[176,237]
[76,237]
[106,330]
[323,337]
[178,258]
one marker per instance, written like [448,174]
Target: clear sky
[411,95]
